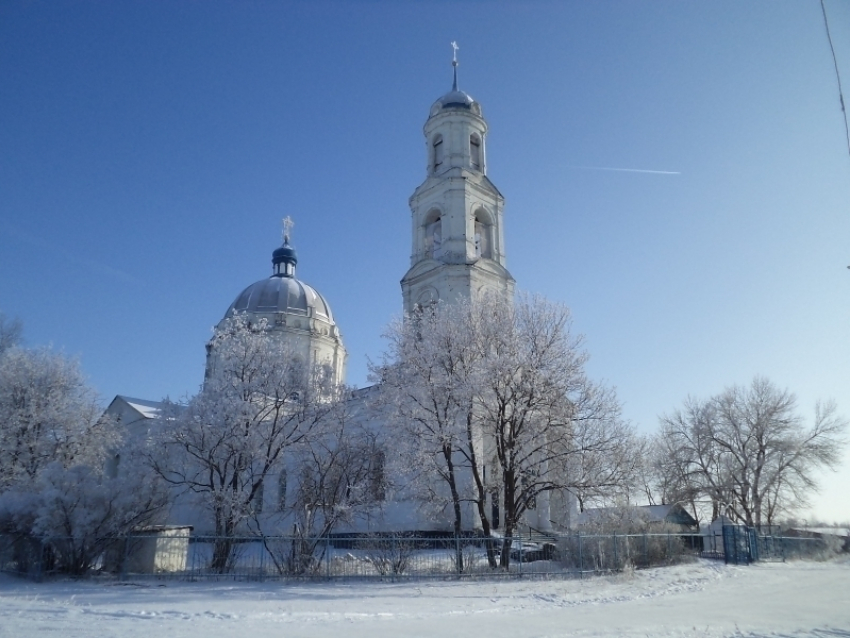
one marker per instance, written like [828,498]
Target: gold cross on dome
[287,228]
[455,48]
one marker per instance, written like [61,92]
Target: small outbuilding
[152,550]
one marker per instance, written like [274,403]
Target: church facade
[457,252]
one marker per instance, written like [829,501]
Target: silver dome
[282,294]
[456,99]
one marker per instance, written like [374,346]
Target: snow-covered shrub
[296,555]
[54,447]
[78,513]
[390,556]
[622,537]
[596,552]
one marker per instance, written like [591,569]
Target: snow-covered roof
[130,411]
[649,513]
[825,531]
[148,409]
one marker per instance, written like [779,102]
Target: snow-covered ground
[794,599]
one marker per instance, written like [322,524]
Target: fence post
[519,554]
[125,558]
[328,557]
[458,555]
[263,559]
[754,544]
[616,561]
[580,561]
[668,546]
[39,566]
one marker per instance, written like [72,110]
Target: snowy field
[706,598]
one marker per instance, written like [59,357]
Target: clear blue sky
[148,151]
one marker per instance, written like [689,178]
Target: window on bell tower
[438,152]
[483,239]
[475,151]
[434,238]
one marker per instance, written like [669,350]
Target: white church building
[457,251]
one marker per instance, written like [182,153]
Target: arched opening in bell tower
[433,229]
[483,233]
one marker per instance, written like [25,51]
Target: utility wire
[837,75]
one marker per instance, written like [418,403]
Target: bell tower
[456,213]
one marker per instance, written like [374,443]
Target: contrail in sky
[625,170]
[46,246]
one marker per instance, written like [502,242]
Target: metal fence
[744,545]
[22,555]
[381,557]
[385,557]
[782,548]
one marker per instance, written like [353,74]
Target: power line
[837,74]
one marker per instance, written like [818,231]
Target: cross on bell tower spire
[455,64]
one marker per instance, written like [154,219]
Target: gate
[740,544]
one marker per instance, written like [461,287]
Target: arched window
[475,151]
[438,152]
[377,488]
[483,239]
[434,238]
[281,491]
[427,298]
[259,497]
[112,464]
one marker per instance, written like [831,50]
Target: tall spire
[455,47]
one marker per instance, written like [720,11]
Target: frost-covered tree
[495,391]
[54,447]
[259,402]
[547,425]
[426,384]
[338,478]
[747,452]
[48,414]
[10,332]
